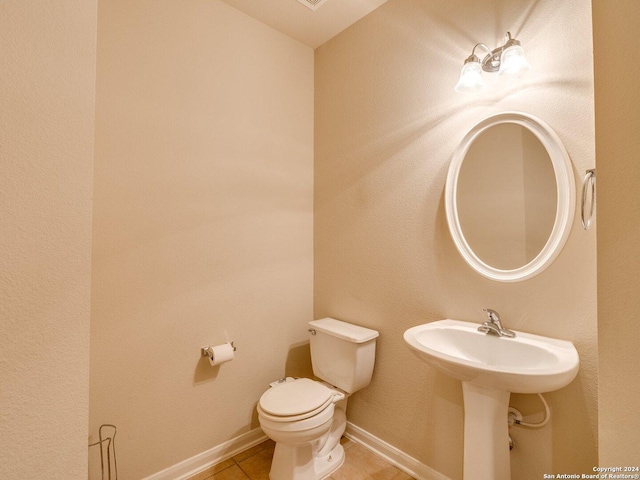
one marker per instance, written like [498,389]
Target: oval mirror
[510,196]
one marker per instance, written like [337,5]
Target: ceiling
[303,24]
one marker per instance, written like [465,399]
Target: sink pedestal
[490,368]
[486,433]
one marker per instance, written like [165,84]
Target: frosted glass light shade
[513,62]
[470,78]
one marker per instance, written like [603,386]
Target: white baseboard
[209,458]
[392,455]
[200,462]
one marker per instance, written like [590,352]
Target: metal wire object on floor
[108,452]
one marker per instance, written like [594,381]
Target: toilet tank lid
[344,330]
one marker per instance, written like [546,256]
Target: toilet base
[325,466]
[298,463]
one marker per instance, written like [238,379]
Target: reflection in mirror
[507,196]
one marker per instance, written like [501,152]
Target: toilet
[306,418]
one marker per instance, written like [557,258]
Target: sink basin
[491,368]
[525,364]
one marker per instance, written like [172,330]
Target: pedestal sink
[491,368]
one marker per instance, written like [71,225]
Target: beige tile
[258,465]
[346,443]
[208,473]
[361,464]
[233,472]
[253,450]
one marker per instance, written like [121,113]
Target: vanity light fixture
[508,60]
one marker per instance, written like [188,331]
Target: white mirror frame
[566,192]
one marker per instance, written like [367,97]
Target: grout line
[240,466]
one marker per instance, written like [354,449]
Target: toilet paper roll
[220,354]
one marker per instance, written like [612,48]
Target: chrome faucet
[493,325]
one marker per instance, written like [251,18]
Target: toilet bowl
[306,418]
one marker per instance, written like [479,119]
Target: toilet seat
[295,400]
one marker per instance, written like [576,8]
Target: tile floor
[254,464]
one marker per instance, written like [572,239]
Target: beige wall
[387,123]
[47,80]
[183,259]
[202,223]
[617,67]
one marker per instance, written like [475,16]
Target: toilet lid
[300,396]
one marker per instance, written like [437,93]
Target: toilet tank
[342,354]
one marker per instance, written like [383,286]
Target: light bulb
[513,62]
[470,78]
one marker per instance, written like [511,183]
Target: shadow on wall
[298,362]
[204,372]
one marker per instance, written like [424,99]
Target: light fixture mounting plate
[491,63]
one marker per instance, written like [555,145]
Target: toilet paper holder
[206,351]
